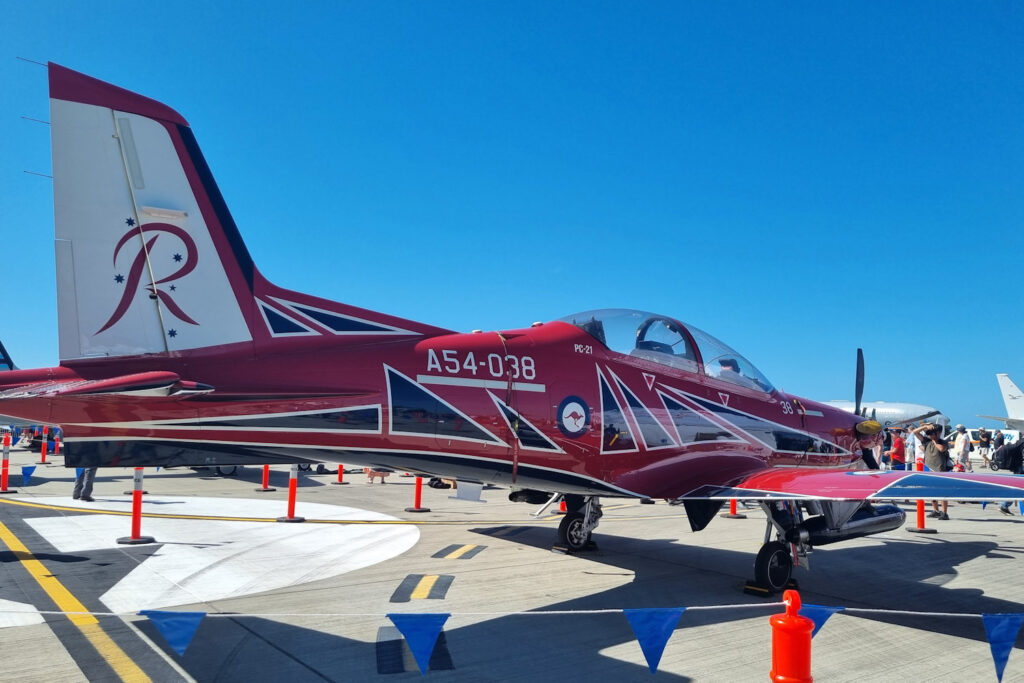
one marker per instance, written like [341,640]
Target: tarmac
[309,601]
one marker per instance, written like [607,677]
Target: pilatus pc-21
[176,351]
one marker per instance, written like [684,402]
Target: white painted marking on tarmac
[18,614]
[206,560]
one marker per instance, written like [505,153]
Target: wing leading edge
[796,484]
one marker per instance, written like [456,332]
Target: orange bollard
[136,538]
[732,514]
[6,464]
[418,498]
[293,485]
[44,448]
[341,476]
[791,643]
[920,528]
[561,507]
[56,445]
[266,480]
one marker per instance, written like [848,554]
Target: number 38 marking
[787,408]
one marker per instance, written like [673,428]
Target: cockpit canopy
[665,340]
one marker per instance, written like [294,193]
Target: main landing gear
[581,518]
[773,566]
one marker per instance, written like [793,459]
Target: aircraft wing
[1010,422]
[794,483]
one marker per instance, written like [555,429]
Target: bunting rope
[541,613]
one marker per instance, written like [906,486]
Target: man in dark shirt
[936,457]
[984,444]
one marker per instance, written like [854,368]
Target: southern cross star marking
[177,257]
[172,333]
[130,222]
[119,278]
[174,288]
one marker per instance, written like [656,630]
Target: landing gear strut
[773,567]
[580,520]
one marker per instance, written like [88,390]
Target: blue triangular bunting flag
[78,472]
[26,473]
[1002,632]
[819,614]
[420,632]
[653,627]
[177,628]
[983,504]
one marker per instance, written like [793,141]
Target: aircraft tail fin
[149,259]
[1013,398]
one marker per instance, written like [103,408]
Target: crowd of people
[951,453]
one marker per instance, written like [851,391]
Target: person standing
[998,441]
[984,444]
[1013,456]
[83,484]
[962,448]
[936,455]
[897,452]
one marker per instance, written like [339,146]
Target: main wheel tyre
[305,467]
[227,470]
[571,533]
[773,566]
[992,466]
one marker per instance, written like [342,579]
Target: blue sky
[797,179]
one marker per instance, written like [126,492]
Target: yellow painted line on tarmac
[422,589]
[121,663]
[456,554]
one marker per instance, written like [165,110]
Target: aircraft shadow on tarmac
[892,573]
[252,649]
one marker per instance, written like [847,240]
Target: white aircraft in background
[896,414]
[1013,398]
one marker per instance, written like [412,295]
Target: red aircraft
[176,351]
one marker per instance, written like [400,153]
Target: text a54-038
[496,365]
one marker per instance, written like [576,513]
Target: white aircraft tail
[1012,397]
[149,260]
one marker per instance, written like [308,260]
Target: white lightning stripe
[697,399]
[189,422]
[482,383]
[814,413]
[349,451]
[554,447]
[388,329]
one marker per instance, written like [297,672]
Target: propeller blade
[858,391]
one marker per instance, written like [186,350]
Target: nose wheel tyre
[774,566]
[571,533]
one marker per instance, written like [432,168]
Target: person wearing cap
[936,456]
[984,444]
[962,448]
